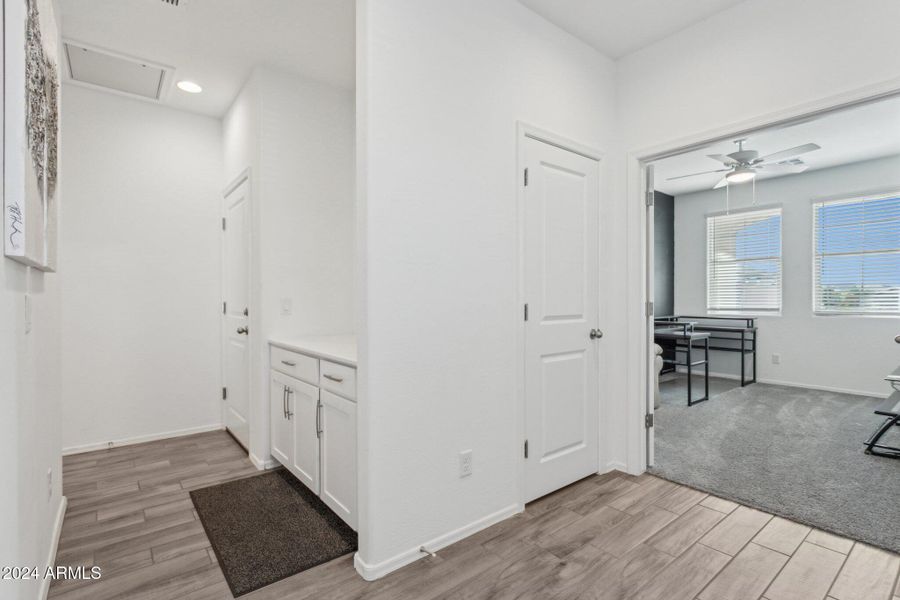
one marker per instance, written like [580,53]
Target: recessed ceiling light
[189,87]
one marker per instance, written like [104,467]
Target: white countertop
[337,348]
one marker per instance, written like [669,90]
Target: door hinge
[648,420]
[526,448]
[224,393]
[650,197]
[224,308]
[526,312]
[223,223]
[526,177]
[650,308]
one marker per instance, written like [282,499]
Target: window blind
[743,261]
[856,265]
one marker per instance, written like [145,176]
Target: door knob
[243,330]
[596,334]
[897,339]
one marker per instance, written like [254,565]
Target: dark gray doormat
[269,527]
[794,452]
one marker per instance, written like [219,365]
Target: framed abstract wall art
[30,132]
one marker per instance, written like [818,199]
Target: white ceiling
[861,133]
[619,27]
[218,42]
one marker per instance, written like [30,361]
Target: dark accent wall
[664,254]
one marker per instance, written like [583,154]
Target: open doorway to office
[776,283]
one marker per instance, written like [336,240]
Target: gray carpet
[269,527]
[794,452]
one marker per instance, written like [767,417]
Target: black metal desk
[727,334]
[890,409]
[683,337]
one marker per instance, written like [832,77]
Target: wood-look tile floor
[606,537]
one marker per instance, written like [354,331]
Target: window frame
[856,197]
[749,312]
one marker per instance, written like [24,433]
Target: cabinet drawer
[304,368]
[339,379]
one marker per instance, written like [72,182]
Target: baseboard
[616,465]
[54,545]
[823,388]
[263,465]
[140,439]
[377,571]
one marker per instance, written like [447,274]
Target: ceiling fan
[744,165]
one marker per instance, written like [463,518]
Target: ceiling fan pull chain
[727,198]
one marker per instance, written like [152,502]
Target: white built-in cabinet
[313,426]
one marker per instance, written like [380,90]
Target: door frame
[640,438]
[235,183]
[524,132]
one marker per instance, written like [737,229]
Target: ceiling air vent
[99,68]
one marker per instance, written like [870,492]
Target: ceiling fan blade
[722,183]
[722,159]
[695,174]
[789,153]
[785,167]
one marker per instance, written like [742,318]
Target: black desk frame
[723,333]
[686,348]
[891,410]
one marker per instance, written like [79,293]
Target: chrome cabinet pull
[596,334]
[289,363]
[284,401]
[334,378]
[290,413]
[243,330]
[319,419]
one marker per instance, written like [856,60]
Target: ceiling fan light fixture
[741,175]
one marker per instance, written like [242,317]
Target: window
[743,262]
[856,264]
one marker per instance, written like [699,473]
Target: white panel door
[338,426]
[235,322]
[303,403]
[561,272]
[280,419]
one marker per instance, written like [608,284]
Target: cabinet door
[303,400]
[282,442]
[338,418]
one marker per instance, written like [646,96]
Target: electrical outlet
[465,463]
[49,483]
[776,359]
[287,306]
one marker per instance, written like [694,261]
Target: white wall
[760,60]
[842,353]
[440,90]
[140,269]
[30,504]
[296,136]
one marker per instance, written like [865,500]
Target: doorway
[785,264]
[560,267]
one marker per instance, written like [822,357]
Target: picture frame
[31,101]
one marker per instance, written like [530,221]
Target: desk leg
[706,366]
[754,355]
[690,377]
[743,358]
